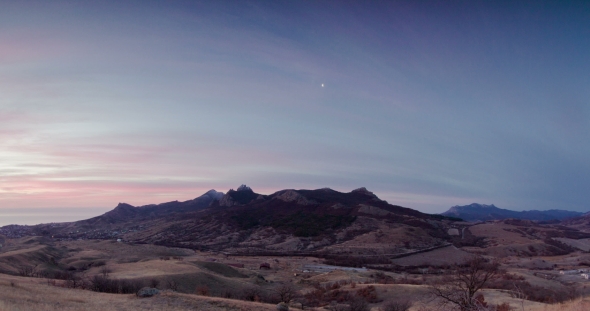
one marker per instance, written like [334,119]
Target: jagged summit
[123,205]
[244,188]
[243,195]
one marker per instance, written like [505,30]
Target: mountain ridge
[287,221]
[483,212]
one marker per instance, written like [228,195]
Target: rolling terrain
[241,250]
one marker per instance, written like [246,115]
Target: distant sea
[33,216]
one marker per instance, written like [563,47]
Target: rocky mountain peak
[364,190]
[124,206]
[244,188]
[216,195]
[243,195]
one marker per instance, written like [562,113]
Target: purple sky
[428,105]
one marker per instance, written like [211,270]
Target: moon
[322,85]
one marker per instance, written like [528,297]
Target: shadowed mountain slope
[298,220]
[125,212]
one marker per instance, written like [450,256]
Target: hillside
[126,212]
[482,212]
[581,222]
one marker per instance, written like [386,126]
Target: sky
[429,104]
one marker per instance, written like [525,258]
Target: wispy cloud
[428,106]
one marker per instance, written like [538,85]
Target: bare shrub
[27,271]
[154,283]
[51,282]
[358,305]
[285,292]
[99,263]
[129,286]
[251,294]
[114,286]
[202,290]
[369,294]
[102,284]
[62,275]
[104,271]
[504,307]
[323,295]
[397,306]
[74,281]
[315,297]
[339,308]
[172,285]
[459,289]
[226,293]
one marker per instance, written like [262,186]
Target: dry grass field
[27,294]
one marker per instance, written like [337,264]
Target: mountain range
[287,221]
[482,212]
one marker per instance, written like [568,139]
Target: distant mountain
[482,212]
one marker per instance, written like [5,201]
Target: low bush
[202,290]
[397,306]
[369,294]
[114,286]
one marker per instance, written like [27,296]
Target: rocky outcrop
[227,201]
[364,190]
[294,196]
[372,210]
[244,188]
[147,292]
[243,195]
